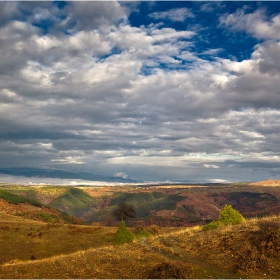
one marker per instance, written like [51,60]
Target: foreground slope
[249,250]
[24,239]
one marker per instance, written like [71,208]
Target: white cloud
[121,175]
[170,34]
[267,56]
[211,166]
[174,14]
[254,23]
[96,14]
[219,181]
[102,98]
[179,161]
[212,51]
[69,160]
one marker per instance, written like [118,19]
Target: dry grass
[249,250]
[23,239]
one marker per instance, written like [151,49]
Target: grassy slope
[17,199]
[74,202]
[24,238]
[228,252]
[165,207]
[18,205]
[188,206]
[146,203]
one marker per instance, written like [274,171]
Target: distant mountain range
[61,174]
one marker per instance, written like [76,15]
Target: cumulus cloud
[254,23]
[8,10]
[88,15]
[104,95]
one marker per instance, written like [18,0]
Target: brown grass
[23,238]
[249,250]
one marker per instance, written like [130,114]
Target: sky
[151,91]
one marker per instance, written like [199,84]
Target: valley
[66,232]
[163,205]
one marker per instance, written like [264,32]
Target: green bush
[143,234]
[123,235]
[229,216]
[211,225]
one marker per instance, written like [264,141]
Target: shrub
[211,225]
[123,235]
[171,270]
[229,216]
[153,229]
[143,234]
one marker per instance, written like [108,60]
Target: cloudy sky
[143,90]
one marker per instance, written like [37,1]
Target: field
[61,232]
[33,249]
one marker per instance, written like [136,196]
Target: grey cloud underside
[61,174]
[69,99]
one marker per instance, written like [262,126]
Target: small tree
[124,211]
[229,216]
[123,235]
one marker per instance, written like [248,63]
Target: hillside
[186,206]
[16,205]
[267,183]
[27,239]
[74,202]
[249,250]
[171,205]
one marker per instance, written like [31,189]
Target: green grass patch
[74,202]
[17,199]
[189,212]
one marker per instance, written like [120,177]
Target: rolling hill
[75,202]
[36,250]
[267,183]
[171,205]
[17,205]
[40,242]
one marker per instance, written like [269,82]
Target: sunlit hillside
[39,250]
[163,205]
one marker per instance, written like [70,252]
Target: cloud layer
[84,86]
